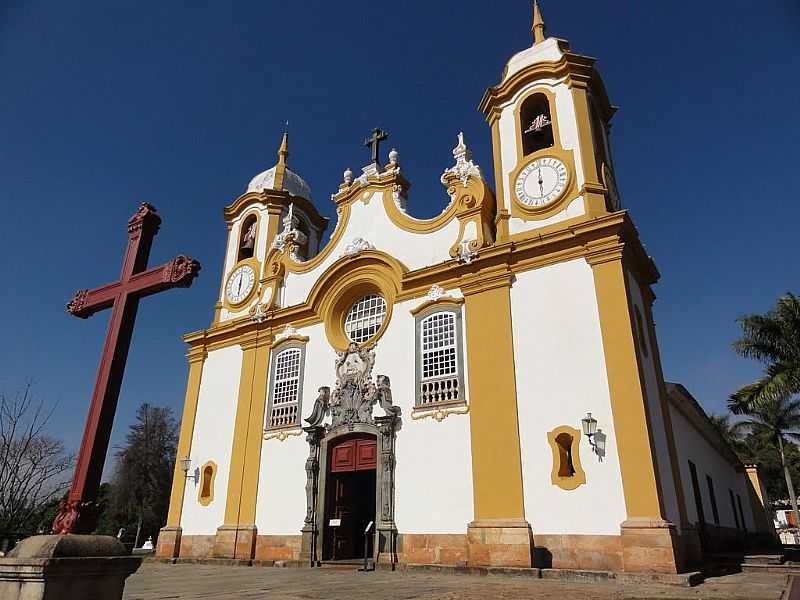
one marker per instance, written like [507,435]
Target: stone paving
[157,581]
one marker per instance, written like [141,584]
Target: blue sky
[104,105]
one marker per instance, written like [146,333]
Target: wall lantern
[186,465]
[596,438]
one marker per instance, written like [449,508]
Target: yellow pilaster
[247,433]
[628,403]
[592,188]
[501,220]
[197,357]
[496,459]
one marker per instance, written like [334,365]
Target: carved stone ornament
[357,246]
[258,313]
[144,212]
[355,393]
[181,270]
[288,331]
[290,236]
[465,252]
[321,408]
[78,301]
[464,167]
[436,292]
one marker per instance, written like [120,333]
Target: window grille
[365,318]
[284,410]
[440,380]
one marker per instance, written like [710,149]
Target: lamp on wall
[186,465]
[589,430]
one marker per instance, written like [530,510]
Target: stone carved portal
[334,487]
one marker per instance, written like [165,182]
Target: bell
[248,243]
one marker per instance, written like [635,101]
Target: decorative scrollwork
[78,302]
[180,271]
[145,211]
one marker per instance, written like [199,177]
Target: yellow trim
[440,413]
[281,436]
[206,500]
[578,477]
[448,301]
[628,403]
[247,433]
[551,245]
[197,357]
[494,427]
[501,220]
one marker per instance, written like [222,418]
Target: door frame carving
[385,531]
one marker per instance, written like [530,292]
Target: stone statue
[321,407]
[384,393]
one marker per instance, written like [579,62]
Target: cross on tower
[373,142]
[77,513]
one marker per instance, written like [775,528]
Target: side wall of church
[212,441]
[654,390]
[692,446]
[561,375]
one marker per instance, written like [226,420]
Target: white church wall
[561,375]
[692,446]
[433,476]
[663,458]
[370,222]
[281,504]
[212,438]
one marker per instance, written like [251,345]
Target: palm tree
[730,432]
[774,339]
[775,420]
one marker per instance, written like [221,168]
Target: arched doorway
[350,497]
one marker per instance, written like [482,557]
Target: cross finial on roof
[538,23]
[373,142]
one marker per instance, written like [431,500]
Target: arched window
[440,377]
[286,388]
[567,472]
[566,468]
[207,475]
[247,238]
[535,124]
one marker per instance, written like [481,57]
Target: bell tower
[550,119]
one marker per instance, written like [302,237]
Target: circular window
[365,318]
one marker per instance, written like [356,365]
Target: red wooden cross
[77,514]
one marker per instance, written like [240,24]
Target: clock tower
[550,118]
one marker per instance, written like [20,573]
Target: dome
[292,183]
[281,177]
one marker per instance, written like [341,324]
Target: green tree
[777,421]
[731,432]
[140,488]
[773,339]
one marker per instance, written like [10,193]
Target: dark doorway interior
[350,498]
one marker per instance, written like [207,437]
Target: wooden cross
[77,514]
[373,142]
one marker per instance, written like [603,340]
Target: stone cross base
[89,567]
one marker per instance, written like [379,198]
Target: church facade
[480,388]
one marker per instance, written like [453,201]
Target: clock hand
[239,289]
[541,181]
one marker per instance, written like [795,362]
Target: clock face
[541,182]
[240,284]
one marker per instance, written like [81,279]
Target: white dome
[292,183]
